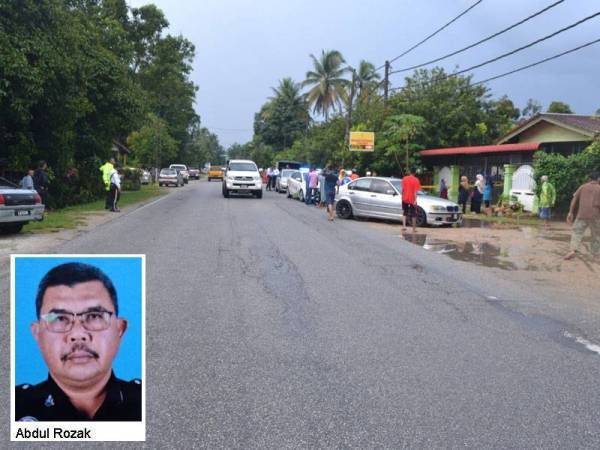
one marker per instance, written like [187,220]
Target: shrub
[130,179]
[567,173]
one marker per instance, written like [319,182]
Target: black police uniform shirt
[47,402]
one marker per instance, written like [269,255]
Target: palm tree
[328,86]
[366,78]
[289,93]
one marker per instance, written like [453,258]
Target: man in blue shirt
[331,182]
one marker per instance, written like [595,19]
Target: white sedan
[296,187]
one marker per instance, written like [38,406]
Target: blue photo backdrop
[126,275]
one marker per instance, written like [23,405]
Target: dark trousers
[114,197]
[108,199]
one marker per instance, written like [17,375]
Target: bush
[130,179]
[567,173]
[81,183]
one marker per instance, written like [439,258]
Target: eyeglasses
[62,322]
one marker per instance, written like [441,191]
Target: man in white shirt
[115,189]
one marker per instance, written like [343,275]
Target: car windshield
[168,172]
[397,183]
[242,167]
[287,173]
[177,166]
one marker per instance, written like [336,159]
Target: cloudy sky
[243,47]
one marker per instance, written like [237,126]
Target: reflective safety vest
[106,170]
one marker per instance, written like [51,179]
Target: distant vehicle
[18,207]
[281,165]
[296,187]
[194,173]
[381,197]
[146,177]
[282,180]
[215,172]
[241,176]
[169,177]
[183,169]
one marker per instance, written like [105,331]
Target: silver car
[381,198]
[18,207]
[282,180]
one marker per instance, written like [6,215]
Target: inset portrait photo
[78,347]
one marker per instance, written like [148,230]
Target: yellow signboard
[362,141]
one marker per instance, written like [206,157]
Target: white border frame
[98,431]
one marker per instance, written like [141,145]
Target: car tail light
[1,199]
[38,199]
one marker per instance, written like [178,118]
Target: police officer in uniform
[79,332]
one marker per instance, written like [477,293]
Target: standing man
[269,177]
[106,170]
[41,182]
[410,186]
[331,183]
[78,331]
[27,181]
[274,176]
[313,184]
[547,200]
[354,174]
[115,189]
[587,202]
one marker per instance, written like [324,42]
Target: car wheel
[225,192]
[300,195]
[288,194]
[209,179]
[421,217]
[343,209]
[259,194]
[12,228]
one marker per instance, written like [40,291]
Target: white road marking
[587,344]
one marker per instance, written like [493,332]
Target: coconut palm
[366,78]
[328,85]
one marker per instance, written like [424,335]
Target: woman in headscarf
[487,191]
[443,189]
[463,193]
[477,194]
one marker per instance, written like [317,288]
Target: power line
[492,36]
[432,34]
[531,44]
[538,62]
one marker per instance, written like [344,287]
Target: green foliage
[152,144]
[559,107]
[457,113]
[531,108]
[130,179]
[399,138]
[284,117]
[75,76]
[328,85]
[567,173]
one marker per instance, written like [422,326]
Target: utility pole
[386,83]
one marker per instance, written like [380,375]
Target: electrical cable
[538,62]
[433,34]
[482,40]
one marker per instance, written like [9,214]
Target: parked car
[183,169]
[282,180]
[169,177]
[194,173]
[215,172]
[241,176]
[381,197]
[18,207]
[146,177]
[295,185]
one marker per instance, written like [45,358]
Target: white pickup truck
[183,169]
[242,176]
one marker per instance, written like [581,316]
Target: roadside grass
[74,216]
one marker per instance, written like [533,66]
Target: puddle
[476,223]
[480,253]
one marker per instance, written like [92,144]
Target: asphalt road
[269,327]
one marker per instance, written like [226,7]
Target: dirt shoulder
[530,255]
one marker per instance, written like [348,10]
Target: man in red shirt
[410,186]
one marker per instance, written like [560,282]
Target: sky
[243,47]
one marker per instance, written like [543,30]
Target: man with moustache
[78,332]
